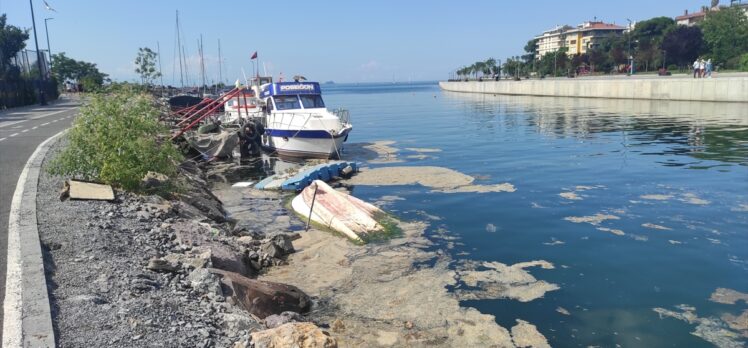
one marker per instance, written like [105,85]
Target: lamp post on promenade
[42,99]
[46,30]
[49,49]
[631,57]
[555,55]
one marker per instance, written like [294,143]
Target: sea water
[638,204]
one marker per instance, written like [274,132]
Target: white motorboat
[297,123]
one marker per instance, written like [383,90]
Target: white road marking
[34,127]
[12,135]
[8,124]
[1,139]
[14,295]
[24,131]
[44,124]
[50,114]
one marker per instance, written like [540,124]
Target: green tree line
[654,43]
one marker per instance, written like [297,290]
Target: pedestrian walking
[702,67]
[695,68]
[709,68]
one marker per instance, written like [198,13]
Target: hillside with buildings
[716,33]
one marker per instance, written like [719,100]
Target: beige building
[691,19]
[578,40]
[551,40]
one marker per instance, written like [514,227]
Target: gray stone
[161,265]
[276,320]
[205,282]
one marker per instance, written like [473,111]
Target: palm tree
[491,64]
[478,67]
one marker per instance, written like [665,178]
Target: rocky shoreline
[146,271]
[218,266]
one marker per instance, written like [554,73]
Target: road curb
[27,320]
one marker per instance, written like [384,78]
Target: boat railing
[343,114]
[284,120]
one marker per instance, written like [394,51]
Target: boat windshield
[287,102]
[312,101]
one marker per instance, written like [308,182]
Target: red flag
[254,56]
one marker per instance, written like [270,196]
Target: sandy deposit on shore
[384,295]
[439,179]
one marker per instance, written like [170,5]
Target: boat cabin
[285,96]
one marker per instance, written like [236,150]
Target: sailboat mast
[202,65]
[179,45]
[220,61]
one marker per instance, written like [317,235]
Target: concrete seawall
[725,89]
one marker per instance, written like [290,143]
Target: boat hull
[305,144]
[336,210]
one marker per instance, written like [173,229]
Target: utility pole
[42,99]
[46,30]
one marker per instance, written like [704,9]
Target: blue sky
[344,41]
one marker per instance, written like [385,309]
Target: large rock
[187,211]
[198,235]
[301,335]
[229,259]
[278,246]
[206,204]
[262,298]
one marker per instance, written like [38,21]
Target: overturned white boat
[338,211]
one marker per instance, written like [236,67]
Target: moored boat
[297,123]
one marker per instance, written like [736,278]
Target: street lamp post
[46,30]
[42,99]
[555,55]
[664,58]
[631,57]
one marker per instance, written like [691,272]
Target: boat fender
[346,171]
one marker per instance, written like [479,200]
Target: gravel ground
[101,291]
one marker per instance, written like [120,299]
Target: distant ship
[329,82]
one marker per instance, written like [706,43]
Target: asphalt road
[21,131]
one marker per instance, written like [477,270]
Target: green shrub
[117,139]
[743,64]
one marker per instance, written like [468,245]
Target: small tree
[146,65]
